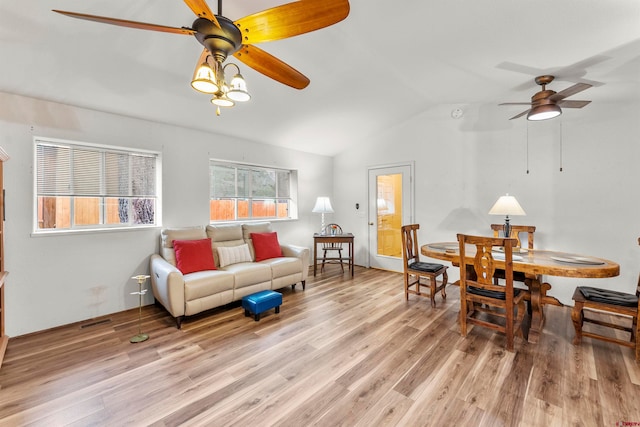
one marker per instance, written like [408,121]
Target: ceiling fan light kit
[222,37]
[212,80]
[544,112]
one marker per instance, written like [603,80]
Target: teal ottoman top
[261,301]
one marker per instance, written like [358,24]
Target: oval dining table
[534,264]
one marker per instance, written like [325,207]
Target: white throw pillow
[233,254]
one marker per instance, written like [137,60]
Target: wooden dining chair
[332,229]
[621,305]
[415,270]
[516,230]
[499,307]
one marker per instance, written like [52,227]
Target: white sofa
[188,294]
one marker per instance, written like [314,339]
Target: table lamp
[507,205]
[323,206]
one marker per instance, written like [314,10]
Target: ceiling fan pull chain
[527,147]
[560,145]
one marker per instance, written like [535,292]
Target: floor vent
[96,323]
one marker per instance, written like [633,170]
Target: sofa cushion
[249,273]
[204,283]
[224,232]
[168,235]
[228,255]
[266,245]
[254,227]
[225,235]
[194,255]
[284,266]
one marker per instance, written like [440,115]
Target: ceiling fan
[546,103]
[222,37]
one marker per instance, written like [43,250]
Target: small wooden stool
[260,302]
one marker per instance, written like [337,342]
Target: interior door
[390,207]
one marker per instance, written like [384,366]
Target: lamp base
[139,338]
[507,228]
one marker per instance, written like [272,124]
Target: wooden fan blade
[515,103]
[520,115]
[130,24]
[572,90]
[291,19]
[572,104]
[271,66]
[201,8]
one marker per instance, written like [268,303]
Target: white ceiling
[385,63]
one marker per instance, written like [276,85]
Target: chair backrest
[332,229]
[410,252]
[484,264]
[515,233]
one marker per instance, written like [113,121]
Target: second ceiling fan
[546,104]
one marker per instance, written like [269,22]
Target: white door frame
[408,214]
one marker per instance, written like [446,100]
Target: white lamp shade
[507,205]
[323,205]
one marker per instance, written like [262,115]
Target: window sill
[253,221]
[49,233]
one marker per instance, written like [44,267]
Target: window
[82,186]
[244,192]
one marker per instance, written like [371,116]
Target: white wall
[463,166]
[56,280]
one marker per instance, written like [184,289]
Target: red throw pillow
[266,245]
[194,255]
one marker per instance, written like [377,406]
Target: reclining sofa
[186,285]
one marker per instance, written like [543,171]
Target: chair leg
[406,287]
[636,333]
[445,279]
[341,263]
[324,258]
[508,328]
[463,317]
[433,291]
[577,316]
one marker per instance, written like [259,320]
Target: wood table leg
[539,298]
[351,263]
[315,257]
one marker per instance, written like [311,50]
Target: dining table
[535,264]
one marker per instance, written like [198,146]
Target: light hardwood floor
[344,352]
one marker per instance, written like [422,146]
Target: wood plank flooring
[341,353]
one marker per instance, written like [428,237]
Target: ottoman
[260,302]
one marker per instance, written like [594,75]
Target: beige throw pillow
[233,254]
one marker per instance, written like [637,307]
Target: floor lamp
[141,278]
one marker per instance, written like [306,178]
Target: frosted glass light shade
[544,112]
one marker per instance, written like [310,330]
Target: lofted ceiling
[385,63]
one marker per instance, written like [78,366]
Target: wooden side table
[335,239]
